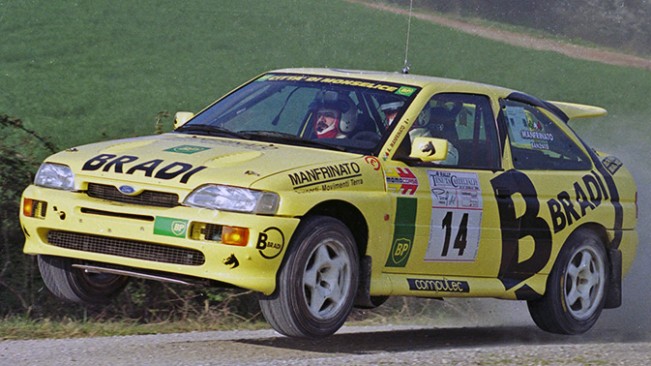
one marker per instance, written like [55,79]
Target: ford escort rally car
[327,189]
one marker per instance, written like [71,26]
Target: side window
[466,121]
[538,142]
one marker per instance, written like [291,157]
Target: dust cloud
[632,146]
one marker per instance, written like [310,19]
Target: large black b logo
[512,271]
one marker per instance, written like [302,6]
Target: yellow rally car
[328,189]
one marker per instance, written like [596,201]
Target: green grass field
[83,72]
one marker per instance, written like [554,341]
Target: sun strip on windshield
[404,90]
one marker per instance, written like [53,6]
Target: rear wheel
[317,283]
[576,287]
[77,285]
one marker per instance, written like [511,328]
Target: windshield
[307,110]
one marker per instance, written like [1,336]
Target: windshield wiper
[282,137]
[210,130]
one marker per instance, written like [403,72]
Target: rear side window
[538,142]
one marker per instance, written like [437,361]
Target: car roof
[563,110]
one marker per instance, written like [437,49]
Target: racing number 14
[458,238]
[460,241]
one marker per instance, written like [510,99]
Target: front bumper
[179,240]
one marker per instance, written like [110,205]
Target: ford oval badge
[128,190]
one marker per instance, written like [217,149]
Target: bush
[20,153]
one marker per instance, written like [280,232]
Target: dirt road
[520,39]
[513,345]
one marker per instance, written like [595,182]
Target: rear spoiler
[574,110]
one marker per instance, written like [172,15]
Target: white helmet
[348,120]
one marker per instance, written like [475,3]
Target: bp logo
[270,243]
[187,149]
[169,226]
[399,252]
[406,91]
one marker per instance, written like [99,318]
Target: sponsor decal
[373,161]
[443,285]
[402,181]
[612,164]
[406,91]
[567,209]
[456,216]
[157,168]
[240,144]
[231,261]
[403,235]
[526,130]
[270,243]
[169,226]
[187,149]
[328,177]
[397,135]
[455,190]
[340,81]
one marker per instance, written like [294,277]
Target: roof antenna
[405,68]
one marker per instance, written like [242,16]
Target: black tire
[78,285]
[576,288]
[317,282]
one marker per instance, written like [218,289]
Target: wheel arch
[350,216]
[598,229]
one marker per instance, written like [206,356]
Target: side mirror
[181,118]
[429,149]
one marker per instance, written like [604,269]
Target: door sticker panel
[403,236]
[456,216]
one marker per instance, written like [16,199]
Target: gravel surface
[386,345]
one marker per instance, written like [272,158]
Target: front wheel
[576,287]
[317,283]
[77,285]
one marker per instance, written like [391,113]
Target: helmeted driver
[335,119]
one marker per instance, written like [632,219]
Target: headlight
[55,176]
[228,198]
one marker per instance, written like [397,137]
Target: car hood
[187,161]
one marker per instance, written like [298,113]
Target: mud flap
[614,285]
[364,300]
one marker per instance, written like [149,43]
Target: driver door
[446,219]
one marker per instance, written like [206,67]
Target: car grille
[146,198]
[126,248]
